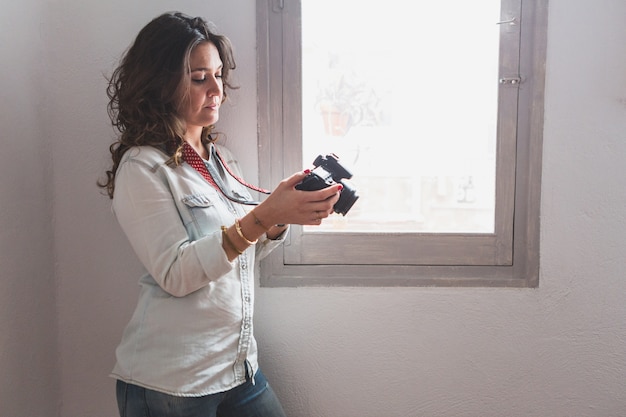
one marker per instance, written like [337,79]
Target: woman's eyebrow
[206,69]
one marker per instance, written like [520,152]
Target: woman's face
[206,90]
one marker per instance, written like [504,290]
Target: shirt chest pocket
[201,215]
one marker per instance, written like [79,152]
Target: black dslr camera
[328,172]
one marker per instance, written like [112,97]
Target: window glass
[406,96]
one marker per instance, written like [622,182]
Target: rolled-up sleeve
[265,246]
[148,215]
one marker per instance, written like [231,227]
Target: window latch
[511,22]
[512,81]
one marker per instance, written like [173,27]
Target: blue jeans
[246,400]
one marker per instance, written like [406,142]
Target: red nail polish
[307,171]
[340,187]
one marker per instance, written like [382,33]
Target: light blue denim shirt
[192,331]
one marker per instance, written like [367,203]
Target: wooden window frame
[509,257]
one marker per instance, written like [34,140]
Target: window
[442,131]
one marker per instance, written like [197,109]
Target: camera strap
[195,161]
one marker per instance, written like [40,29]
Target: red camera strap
[195,161]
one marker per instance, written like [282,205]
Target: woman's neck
[196,143]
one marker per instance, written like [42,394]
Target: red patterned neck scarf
[192,158]
[195,161]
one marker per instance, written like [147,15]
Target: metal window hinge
[513,81]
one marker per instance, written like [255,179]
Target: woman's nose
[215,87]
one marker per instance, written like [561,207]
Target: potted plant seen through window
[345,101]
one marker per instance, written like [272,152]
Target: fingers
[286,204]
[323,202]
[318,220]
[319,215]
[333,191]
[296,178]
[325,194]
[316,217]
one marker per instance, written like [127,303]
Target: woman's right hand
[287,205]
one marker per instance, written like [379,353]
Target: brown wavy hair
[147,89]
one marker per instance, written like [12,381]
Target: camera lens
[347,198]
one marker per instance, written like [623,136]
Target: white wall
[558,350]
[28,329]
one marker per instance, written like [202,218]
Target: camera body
[328,171]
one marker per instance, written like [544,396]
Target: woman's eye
[202,80]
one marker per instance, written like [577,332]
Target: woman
[189,348]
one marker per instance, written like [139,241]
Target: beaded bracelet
[240,233]
[228,241]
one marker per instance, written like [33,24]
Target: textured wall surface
[28,349]
[68,273]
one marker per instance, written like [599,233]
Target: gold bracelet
[240,233]
[257,221]
[228,241]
